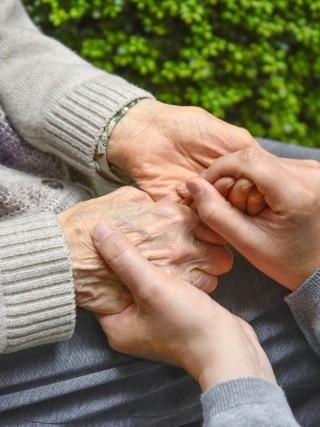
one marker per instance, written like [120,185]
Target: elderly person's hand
[173,322]
[162,145]
[166,233]
[283,240]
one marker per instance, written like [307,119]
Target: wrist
[232,353]
[103,164]
[121,143]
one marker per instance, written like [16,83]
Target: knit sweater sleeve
[37,303]
[57,102]
[246,402]
[305,306]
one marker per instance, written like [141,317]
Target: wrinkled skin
[162,145]
[166,233]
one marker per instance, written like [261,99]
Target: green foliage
[255,63]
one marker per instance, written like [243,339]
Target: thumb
[124,259]
[219,214]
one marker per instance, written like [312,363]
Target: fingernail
[182,189]
[203,174]
[194,187]
[100,231]
[257,199]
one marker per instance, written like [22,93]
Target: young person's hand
[173,322]
[170,235]
[241,193]
[283,240]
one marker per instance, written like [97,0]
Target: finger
[124,259]
[205,282]
[220,215]
[183,192]
[205,234]
[239,193]
[216,260]
[224,185]
[186,202]
[256,203]
[265,171]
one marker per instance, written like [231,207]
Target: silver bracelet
[106,168]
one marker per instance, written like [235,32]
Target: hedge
[255,63]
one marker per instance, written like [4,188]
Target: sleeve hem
[78,119]
[36,283]
[239,392]
[304,304]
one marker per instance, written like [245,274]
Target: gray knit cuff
[305,306]
[238,393]
[36,291]
[79,118]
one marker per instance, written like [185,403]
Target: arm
[61,104]
[244,402]
[173,322]
[305,306]
[57,102]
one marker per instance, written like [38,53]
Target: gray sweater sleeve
[57,102]
[305,306]
[250,401]
[37,303]
[246,402]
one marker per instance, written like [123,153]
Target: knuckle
[243,187]
[132,194]
[228,260]
[309,200]
[173,211]
[194,110]
[114,343]
[199,279]
[246,136]
[249,330]
[250,155]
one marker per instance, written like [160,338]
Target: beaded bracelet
[106,168]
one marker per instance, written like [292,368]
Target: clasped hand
[171,236]
[283,239]
[173,322]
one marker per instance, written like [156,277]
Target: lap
[83,381]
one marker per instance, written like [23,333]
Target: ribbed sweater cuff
[305,306]
[241,392]
[79,117]
[36,291]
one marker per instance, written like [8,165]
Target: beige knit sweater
[59,105]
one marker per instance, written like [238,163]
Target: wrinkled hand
[162,145]
[165,233]
[171,321]
[283,240]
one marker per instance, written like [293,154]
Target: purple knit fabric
[12,149]
[25,173]
[17,154]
